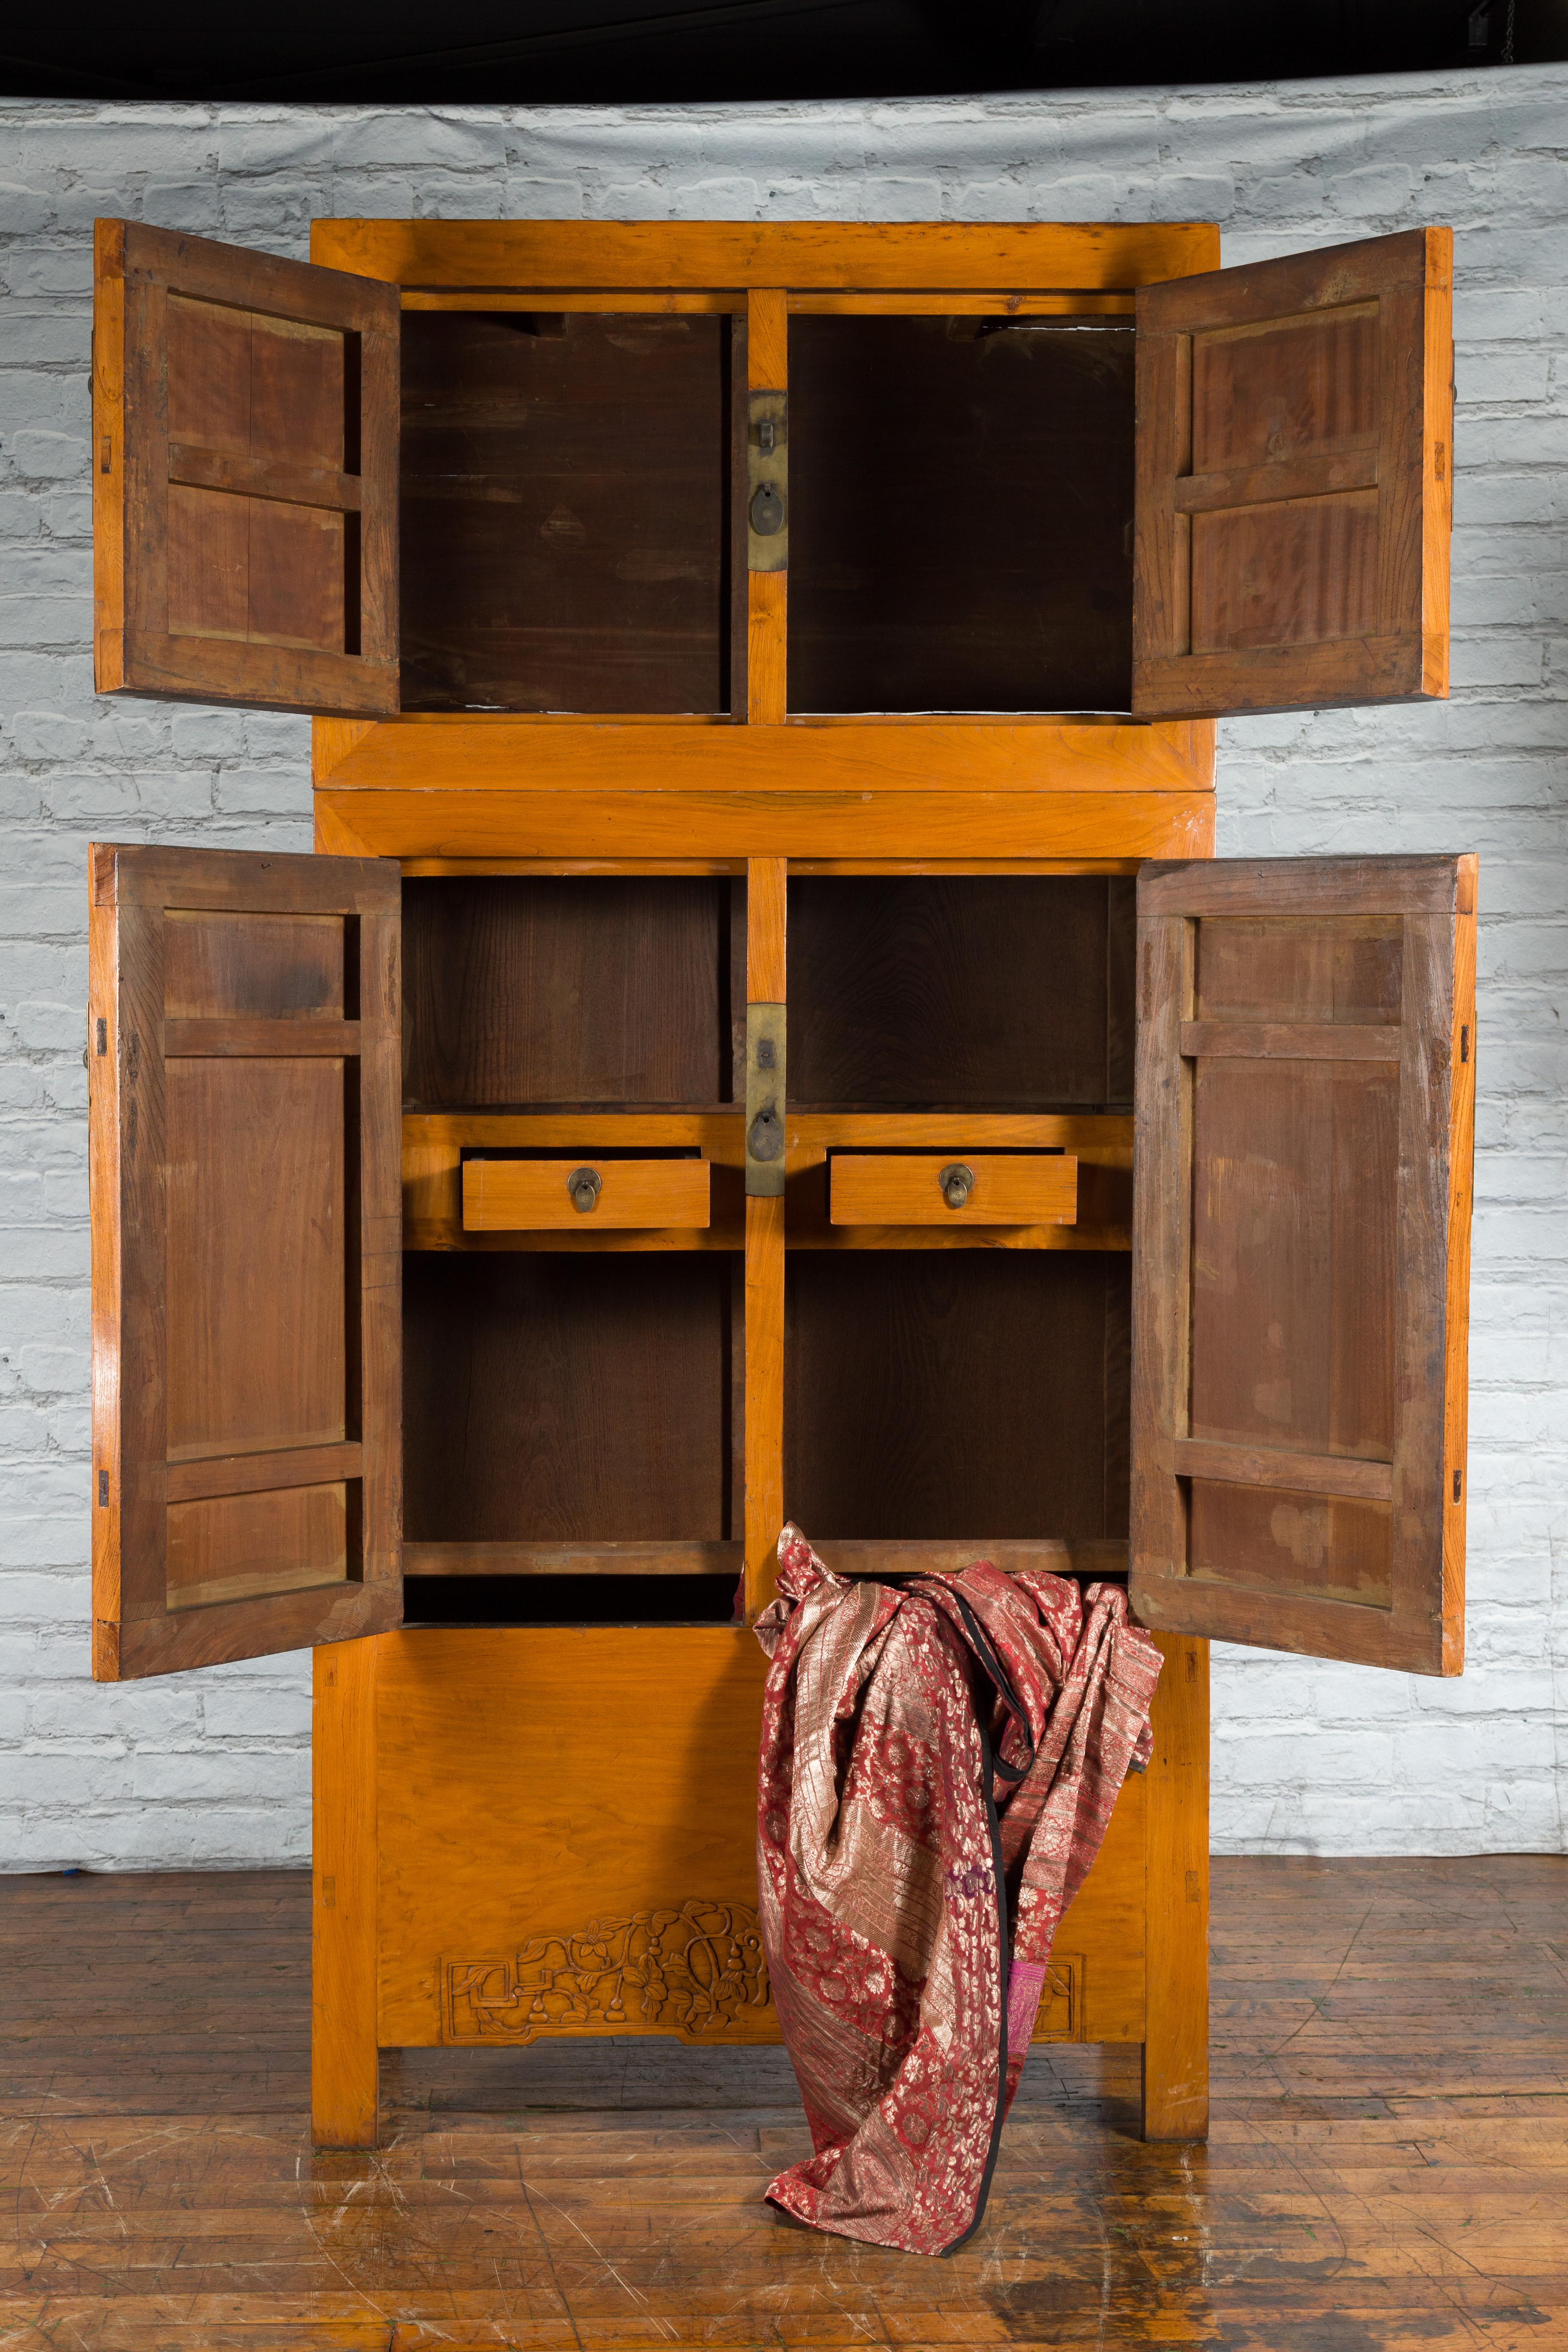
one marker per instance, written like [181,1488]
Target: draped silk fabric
[938,1764]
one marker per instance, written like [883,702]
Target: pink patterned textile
[939,1760]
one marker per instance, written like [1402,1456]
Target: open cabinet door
[1294,482]
[245,477]
[1301,1252]
[244,1060]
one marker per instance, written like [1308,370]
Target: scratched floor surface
[1388,2168]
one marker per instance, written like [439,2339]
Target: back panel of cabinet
[961,514]
[561,1398]
[565,511]
[957,1394]
[988,993]
[522,991]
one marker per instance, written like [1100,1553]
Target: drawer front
[516,1195]
[953,1188]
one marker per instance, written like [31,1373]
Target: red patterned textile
[939,1760]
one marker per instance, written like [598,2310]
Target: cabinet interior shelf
[1052,1555]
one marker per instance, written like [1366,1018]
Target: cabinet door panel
[245,487]
[1304,1126]
[244,1057]
[1294,482]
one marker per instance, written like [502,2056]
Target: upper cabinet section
[730,472]
[1295,436]
[244,483]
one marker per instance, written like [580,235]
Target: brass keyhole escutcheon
[767,512]
[584,1184]
[957,1183]
[765,1140]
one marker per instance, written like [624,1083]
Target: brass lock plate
[767,482]
[765,1099]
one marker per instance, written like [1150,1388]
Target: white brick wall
[212,1767]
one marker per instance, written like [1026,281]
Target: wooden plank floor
[1388,2170]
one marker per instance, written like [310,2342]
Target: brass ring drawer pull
[584,1185]
[957,1183]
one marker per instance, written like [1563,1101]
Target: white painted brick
[1307,1757]
[38,452]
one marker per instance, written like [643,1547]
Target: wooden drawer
[1006,1188]
[513,1195]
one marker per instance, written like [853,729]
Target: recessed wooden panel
[961,515]
[906,1188]
[508,1195]
[247,1547]
[554,1398]
[922,990]
[256,1214]
[565,516]
[955,1394]
[560,990]
[1301,574]
[255,570]
[256,387]
[1300,388]
[245,1168]
[1295,1253]
[244,485]
[1342,969]
[1295,481]
[1272,1541]
[276,967]
[1301,1252]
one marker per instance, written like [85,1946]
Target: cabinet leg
[1177,2029]
[344,2060]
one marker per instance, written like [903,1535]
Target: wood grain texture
[766,922]
[1082,1556]
[240,1320]
[1176,1890]
[566,1398]
[1304,1041]
[488,1710]
[988,990]
[715,1558]
[763,1493]
[936,562]
[235,391]
[344,1914]
[1293,481]
[911,829]
[1295,1225]
[1385,2168]
[501,1195]
[951,1394]
[585,757]
[563,504]
[741,254]
[905,1189]
[563,991]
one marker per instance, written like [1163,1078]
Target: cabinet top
[1026,254]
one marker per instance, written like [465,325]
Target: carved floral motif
[697,1971]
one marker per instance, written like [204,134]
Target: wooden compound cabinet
[760,1035]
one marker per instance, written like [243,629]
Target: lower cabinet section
[566,1838]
